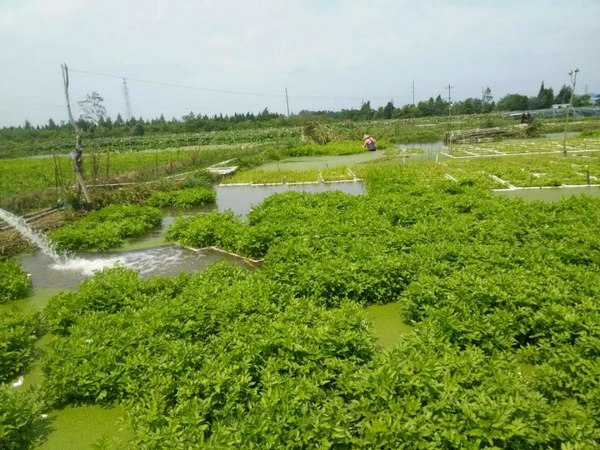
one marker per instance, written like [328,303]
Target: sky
[226,56]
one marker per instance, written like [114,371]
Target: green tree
[388,110]
[137,130]
[581,100]
[564,95]
[188,117]
[513,102]
[487,100]
[544,98]
[440,106]
[366,112]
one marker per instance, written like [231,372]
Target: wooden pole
[78,153]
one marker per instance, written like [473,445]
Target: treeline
[544,99]
[95,122]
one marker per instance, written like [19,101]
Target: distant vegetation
[104,133]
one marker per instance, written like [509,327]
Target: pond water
[84,427]
[549,194]
[240,199]
[322,162]
[430,151]
[562,135]
[388,324]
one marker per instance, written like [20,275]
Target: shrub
[204,230]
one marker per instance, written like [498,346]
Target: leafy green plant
[18,333]
[19,418]
[14,282]
[500,296]
[106,228]
[183,198]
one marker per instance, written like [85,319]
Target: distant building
[560,106]
[594,99]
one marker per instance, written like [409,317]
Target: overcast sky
[330,54]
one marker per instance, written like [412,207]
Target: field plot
[28,183]
[535,170]
[529,146]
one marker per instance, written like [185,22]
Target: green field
[428,313]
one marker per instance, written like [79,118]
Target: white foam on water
[144,262]
[86,266]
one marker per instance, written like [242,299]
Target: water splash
[35,237]
[85,266]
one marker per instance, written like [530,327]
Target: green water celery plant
[14,282]
[500,295]
[18,334]
[107,228]
[183,198]
[20,419]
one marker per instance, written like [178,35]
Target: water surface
[241,199]
[165,260]
[322,162]
[549,194]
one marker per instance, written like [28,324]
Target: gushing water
[52,263]
[59,261]
[36,238]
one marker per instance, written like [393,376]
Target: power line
[226,91]
[182,86]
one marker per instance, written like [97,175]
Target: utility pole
[127,102]
[413,86]
[77,154]
[287,102]
[573,75]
